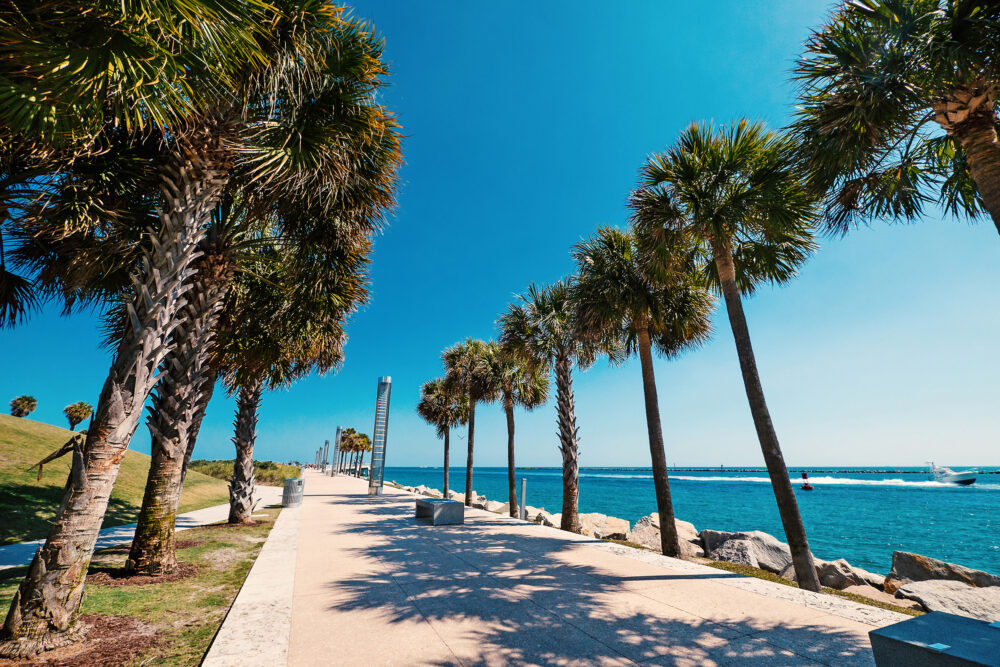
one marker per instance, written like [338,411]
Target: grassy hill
[27,505]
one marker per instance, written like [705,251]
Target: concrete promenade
[374,587]
[14,555]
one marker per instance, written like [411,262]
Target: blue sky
[525,126]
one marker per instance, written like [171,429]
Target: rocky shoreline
[915,581]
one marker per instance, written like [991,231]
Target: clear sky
[525,126]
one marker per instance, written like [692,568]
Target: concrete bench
[937,639]
[440,511]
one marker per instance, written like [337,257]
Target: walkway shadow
[499,592]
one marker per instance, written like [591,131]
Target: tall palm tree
[22,406]
[898,108]
[734,200]
[337,181]
[620,292]
[444,409]
[542,329]
[282,322]
[364,444]
[466,373]
[519,382]
[77,412]
[166,71]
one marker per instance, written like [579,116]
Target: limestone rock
[602,526]
[736,551]
[908,567]
[494,506]
[547,519]
[840,574]
[647,533]
[434,493]
[766,551]
[453,495]
[954,597]
[713,539]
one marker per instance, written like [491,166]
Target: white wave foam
[842,481]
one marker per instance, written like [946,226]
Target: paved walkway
[374,587]
[14,555]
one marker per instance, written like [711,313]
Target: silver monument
[377,471]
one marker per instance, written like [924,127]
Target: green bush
[268,473]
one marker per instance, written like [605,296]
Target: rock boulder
[840,574]
[602,526]
[908,567]
[647,533]
[954,597]
[494,506]
[756,548]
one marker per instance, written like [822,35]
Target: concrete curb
[263,605]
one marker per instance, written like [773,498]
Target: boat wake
[839,481]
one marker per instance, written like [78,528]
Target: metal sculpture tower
[335,461]
[377,471]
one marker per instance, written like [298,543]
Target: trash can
[292,495]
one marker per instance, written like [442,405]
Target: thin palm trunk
[788,508]
[241,488]
[43,612]
[508,408]
[361,463]
[978,137]
[447,444]
[568,445]
[669,542]
[171,421]
[204,398]
[468,457]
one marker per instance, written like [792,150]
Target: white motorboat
[949,476]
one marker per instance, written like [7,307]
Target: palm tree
[542,329]
[284,320]
[466,373]
[519,382]
[77,412]
[153,73]
[22,406]
[620,294]
[444,409]
[734,200]
[364,444]
[898,108]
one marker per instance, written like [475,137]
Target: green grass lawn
[160,622]
[27,505]
[268,473]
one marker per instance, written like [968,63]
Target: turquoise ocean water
[860,516]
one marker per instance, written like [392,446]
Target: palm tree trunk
[43,612]
[568,444]
[669,542]
[508,408]
[468,457]
[205,397]
[447,444]
[978,137]
[361,463]
[241,488]
[175,406]
[788,507]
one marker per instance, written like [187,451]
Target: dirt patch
[221,559]
[110,641]
[248,524]
[116,576]
[187,544]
